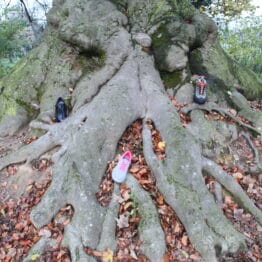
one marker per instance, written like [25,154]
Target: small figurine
[61,111]
[200,95]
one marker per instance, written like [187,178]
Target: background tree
[111,55]
[243,42]
[11,44]
[227,8]
[21,29]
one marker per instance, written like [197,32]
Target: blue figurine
[60,110]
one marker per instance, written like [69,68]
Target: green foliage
[226,8]
[11,43]
[171,80]
[244,42]
[185,9]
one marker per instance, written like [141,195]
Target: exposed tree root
[39,247]
[218,193]
[254,149]
[127,87]
[150,231]
[210,106]
[107,238]
[183,190]
[90,85]
[30,152]
[232,186]
[76,175]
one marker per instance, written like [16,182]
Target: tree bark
[96,48]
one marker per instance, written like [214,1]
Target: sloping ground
[22,186]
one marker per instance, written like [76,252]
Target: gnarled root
[232,186]
[150,231]
[179,176]
[210,106]
[31,151]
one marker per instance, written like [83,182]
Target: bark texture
[101,49]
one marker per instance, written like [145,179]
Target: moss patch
[171,80]
[161,42]
[91,59]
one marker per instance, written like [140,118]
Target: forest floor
[21,188]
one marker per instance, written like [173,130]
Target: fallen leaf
[119,199]
[19,226]
[143,171]
[134,169]
[122,221]
[15,186]
[160,200]
[185,253]
[165,258]
[11,170]
[4,184]
[184,240]
[125,195]
[238,213]
[43,164]
[228,200]
[177,228]
[133,253]
[195,257]
[45,232]
[12,252]
[259,228]
[107,255]
[161,145]
[2,212]
[35,256]
[60,254]
[127,205]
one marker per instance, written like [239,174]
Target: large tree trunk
[96,47]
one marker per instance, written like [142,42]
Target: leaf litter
[18,234]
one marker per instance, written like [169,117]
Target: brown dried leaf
[107,255]
[184,240]
[134,169]
[12,252]
[165,258]
[238,176]
[178,228]
[19,226]
[195,257]
[133,253]
[15,186]
[4,184]
[11,170]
